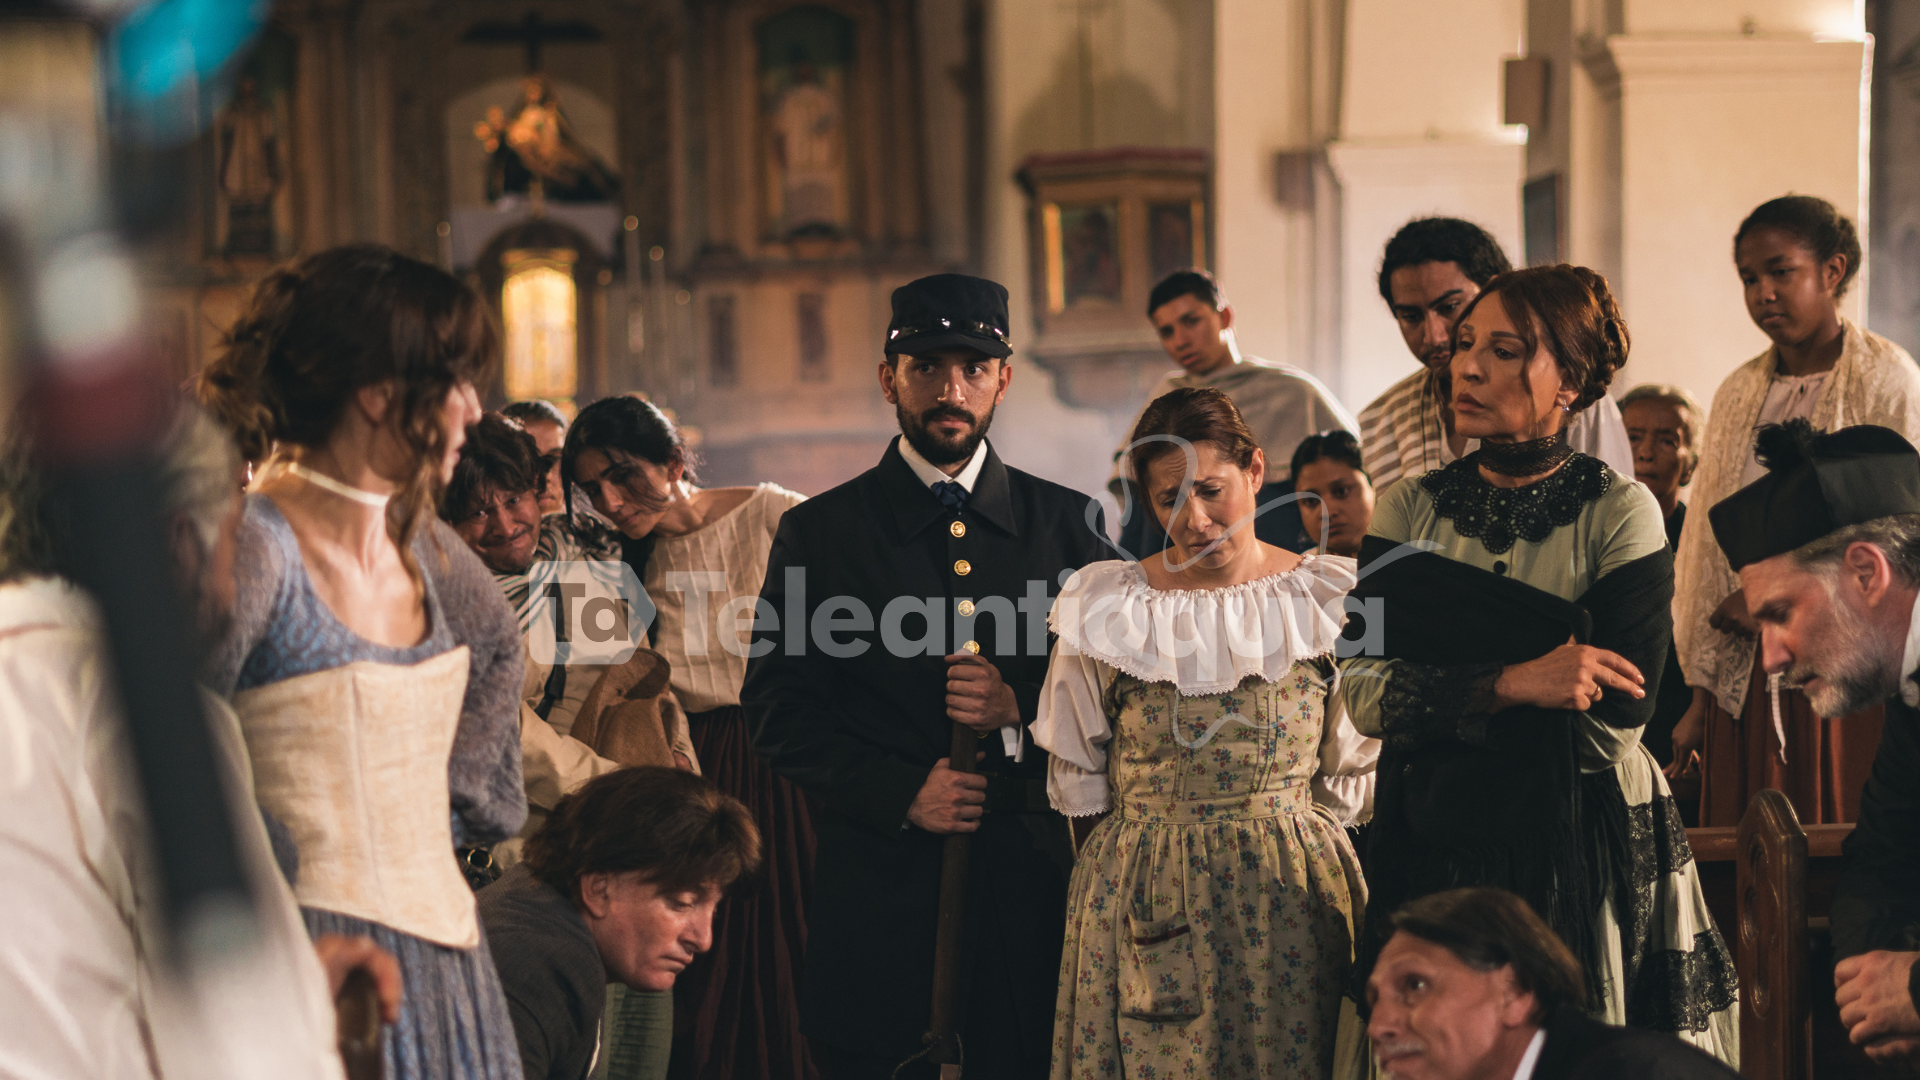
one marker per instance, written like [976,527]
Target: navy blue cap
[949,311]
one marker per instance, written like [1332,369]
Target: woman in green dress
[1212,914]
[1523,597]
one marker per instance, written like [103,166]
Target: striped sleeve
[1379,445]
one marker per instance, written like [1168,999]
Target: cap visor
[922,344]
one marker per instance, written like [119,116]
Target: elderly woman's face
[1662,457]
[1214,523]
[1499,392]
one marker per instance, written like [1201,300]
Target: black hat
[949,311]
[1815,484]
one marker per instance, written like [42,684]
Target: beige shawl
[1875,382]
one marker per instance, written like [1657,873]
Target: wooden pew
[1770,871]
[1769,884]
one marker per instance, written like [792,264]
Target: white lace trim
[1204,641]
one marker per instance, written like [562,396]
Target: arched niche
[877,195]
[539,248]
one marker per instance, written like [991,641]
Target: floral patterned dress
[1212,916]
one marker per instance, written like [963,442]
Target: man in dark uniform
[1827,544]
[910,598]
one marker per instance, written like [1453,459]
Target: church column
[1267,70]
[907,195]
[1712,126]
[1421,134]
[324,152]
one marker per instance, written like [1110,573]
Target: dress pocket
[1160,982]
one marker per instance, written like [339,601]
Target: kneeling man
[1827,545]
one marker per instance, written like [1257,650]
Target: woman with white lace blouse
[1211,916]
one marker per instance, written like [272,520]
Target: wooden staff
[357,1026]
[943,1042]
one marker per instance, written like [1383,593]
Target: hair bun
[1579,322]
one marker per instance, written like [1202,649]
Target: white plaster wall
[1421,134]
[1711,128]
[1258,243]
[1764,17]
[1414,67]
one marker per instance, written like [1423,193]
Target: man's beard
[936,449]
[518,566]
[1852,669]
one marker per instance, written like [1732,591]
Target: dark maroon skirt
[736,1011]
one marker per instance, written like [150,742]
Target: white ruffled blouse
[1205,642]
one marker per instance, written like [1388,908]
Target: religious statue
[807,155]
[250,171]
[535,150]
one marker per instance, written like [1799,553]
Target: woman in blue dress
[373,662]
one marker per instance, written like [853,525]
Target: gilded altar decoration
[533,151]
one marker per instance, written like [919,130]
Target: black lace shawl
[1497,516]
[1472,798]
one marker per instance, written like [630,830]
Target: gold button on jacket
[962,567]
[966,607]
[958,528]
[972,647]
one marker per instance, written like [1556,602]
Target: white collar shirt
[930,474]
[1910,662]
[1532,1057]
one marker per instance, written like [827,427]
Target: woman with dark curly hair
[373,662]
[1510,665]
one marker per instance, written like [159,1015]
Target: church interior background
[709,201]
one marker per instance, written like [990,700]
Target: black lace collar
[1498,516]
[1530,458]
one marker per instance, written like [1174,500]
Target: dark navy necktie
[951,495]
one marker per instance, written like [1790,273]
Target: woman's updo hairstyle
[1817,224]
[1569,310]
[318,329]
[1192,415]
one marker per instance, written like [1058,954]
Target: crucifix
[533,32]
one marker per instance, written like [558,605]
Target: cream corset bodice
[353,761]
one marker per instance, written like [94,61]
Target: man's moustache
[931,415]
[1387,1051]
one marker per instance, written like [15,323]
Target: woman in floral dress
[1212,914]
